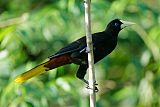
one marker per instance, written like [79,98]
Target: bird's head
[117,25]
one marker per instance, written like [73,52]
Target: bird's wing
[77,45]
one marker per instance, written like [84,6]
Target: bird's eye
[116,24]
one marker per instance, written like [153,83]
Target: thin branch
[90,54]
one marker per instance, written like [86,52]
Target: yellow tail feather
[31,73]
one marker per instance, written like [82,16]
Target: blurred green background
[31,30]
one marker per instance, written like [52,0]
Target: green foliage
[31,30]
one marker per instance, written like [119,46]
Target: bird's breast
[103,49]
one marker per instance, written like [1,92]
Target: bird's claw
[95,89]
[95,84]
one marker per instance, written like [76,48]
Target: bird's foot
[95,84]
[95,89]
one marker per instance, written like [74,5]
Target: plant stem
[90,54]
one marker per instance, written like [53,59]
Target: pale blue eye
[116,24]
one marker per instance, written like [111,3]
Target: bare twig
[90,54]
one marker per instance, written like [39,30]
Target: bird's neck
[111,32]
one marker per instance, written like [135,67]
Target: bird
[104,43]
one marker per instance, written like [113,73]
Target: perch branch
[90,53]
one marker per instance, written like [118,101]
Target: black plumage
[76,52]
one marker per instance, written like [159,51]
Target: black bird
[103,44]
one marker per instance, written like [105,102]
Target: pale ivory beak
[126,23]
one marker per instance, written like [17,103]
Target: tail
[31,73]
[51,64]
